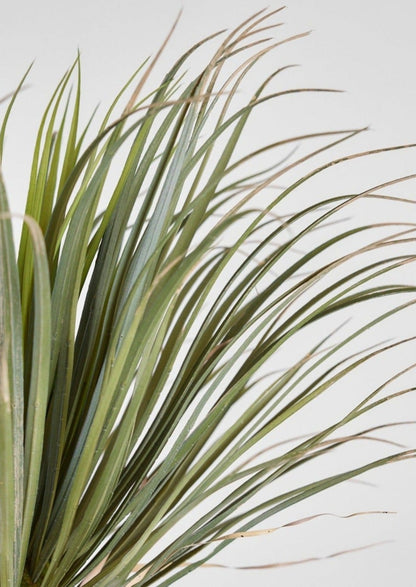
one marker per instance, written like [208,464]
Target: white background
[367,47]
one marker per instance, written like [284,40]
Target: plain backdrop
[367,47]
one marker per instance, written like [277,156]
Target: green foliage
[140,319]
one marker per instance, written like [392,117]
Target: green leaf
[168,315]
[11,403]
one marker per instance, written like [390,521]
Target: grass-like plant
[165,316]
